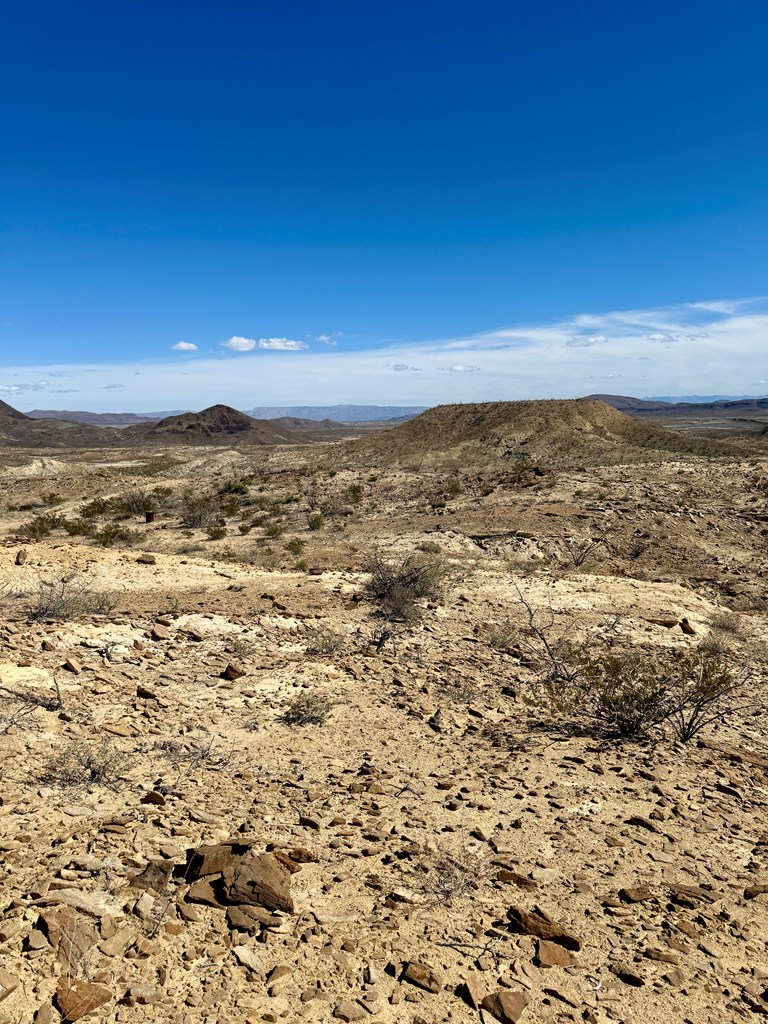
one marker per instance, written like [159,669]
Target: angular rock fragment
[77,999]
[539,924]
[506,1005]
[424,976]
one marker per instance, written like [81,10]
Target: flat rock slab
[77,999]
[539,924]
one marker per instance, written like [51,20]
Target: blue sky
[262,202]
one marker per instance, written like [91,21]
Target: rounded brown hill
[566,431]
[219,424]
[7,412]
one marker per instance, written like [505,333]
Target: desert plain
[387,725]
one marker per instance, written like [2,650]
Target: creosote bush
[66,598]
[397,587]
[308,709]
[82,765]
[628,693]
[323,640]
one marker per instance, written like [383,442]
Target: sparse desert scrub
[114,533]
[81,765]
[444,877]
[501,636]
[628,693]
[323,640]
[396,587]
[42,526]
[56,600]
[200,510]
[310,708]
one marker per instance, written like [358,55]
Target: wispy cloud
[184,346]
[714,352]
[328,339]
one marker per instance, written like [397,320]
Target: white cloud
[726,356]
[281,344]
[184,346]
[275,344]
[586,340]
[113,387]
[328,339]
[239,344]
[664,339]
[400,367]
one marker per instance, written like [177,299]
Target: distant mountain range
[337,413]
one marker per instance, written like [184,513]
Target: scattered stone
[21,556]
[424,976]
[233,671]
[506,1005]
[146,559]
[636,895]
[552,954]
[77,999]
[542,926]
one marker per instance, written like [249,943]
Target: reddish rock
[261,880]
[551,954]
[542,926]
[506,1005]
[424,976]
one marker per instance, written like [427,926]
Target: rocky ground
[441,845]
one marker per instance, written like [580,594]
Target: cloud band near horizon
[716,347]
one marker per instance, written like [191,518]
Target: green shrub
[216,532]
[113,533]
[295,545]
[315,521]
[42,526]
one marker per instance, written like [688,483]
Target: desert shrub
[234,487]
[272,529]
[216,532]
[82,765]
[302,565]
[354,494]
[231,506]
[444,877]
[295,545]
[723,621]
[245,528]
[114,533]
[704,687]
[96,507]
[66,598]
[42,526]
[323,640]
[200,510]
[51,498]
[627,693]
[452,487]
[308,709]
[315,521]
[135,501]
[501,636]
[397,587]
[80,527]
